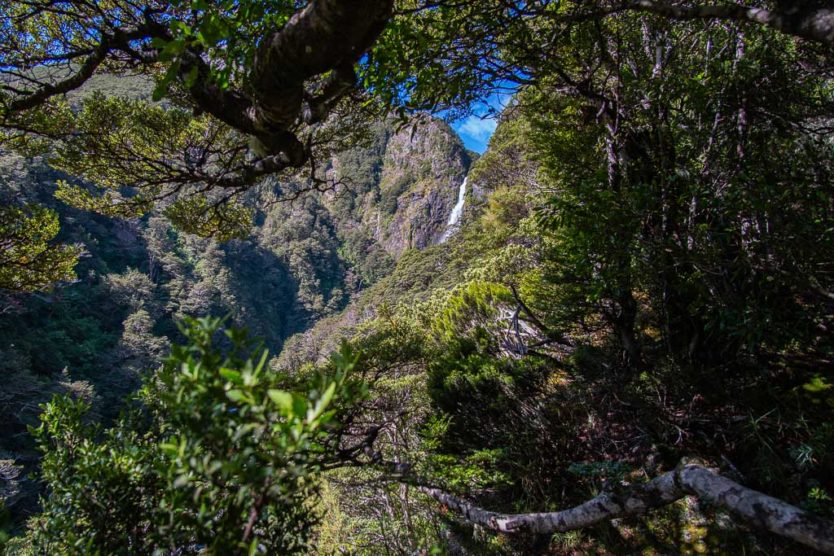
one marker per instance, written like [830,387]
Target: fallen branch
[749,506]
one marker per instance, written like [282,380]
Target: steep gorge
[303,261]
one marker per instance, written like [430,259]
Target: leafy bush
[215,456]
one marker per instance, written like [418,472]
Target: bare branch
[71,83]
[753,508]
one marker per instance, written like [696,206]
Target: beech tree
[218,458]
[747,505]
[28,259]
[248,85]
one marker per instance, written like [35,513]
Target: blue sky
[476,129]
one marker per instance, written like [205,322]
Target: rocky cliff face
[401,187]
[423,167]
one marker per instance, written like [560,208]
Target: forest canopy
[621,337]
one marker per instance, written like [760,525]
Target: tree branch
[754,508]
[550,334]
[814,24]
[71,83]
[327,34]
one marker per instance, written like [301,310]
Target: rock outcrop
[422,169]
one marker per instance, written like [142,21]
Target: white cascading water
[457,211]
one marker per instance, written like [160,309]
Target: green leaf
[236,395]
[327,396]
[281,398]
[212,30]
[323,402]
[299,405]
[231,375]
[817,384]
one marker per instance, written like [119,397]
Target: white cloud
[480,129]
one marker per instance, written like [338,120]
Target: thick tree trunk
[323,41]
[326,35]
[749,506]
[624,324]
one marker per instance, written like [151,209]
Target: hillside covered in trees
[257,297]
[99,331]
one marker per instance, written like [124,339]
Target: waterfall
[457,211]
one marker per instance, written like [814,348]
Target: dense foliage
[112,321]
[217,456]
[642,276]
[533,403]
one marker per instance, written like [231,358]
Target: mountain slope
[303,261]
